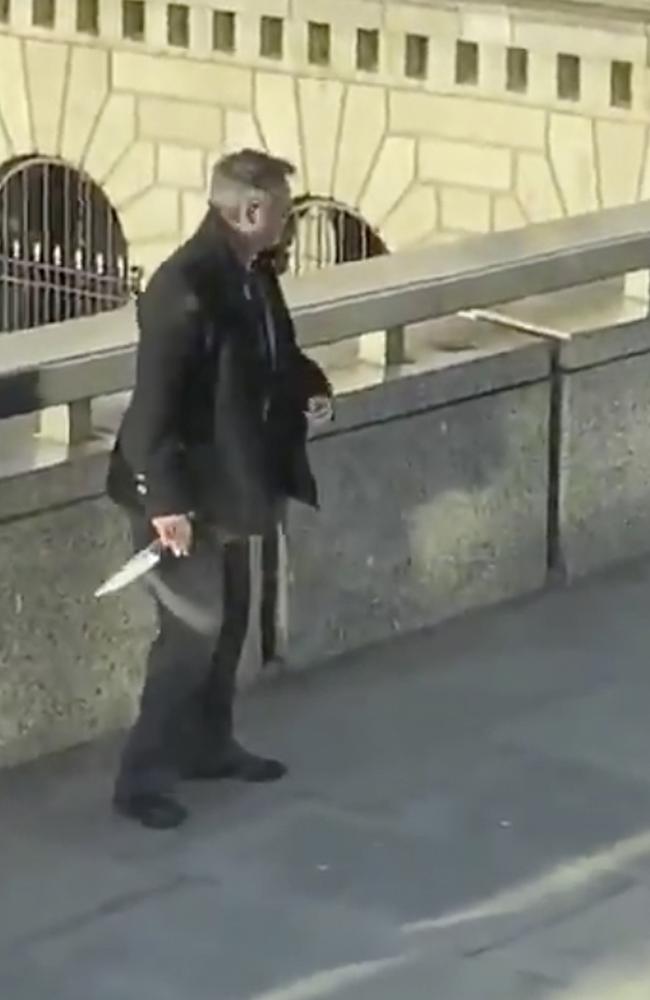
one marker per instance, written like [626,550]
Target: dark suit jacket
[213,427]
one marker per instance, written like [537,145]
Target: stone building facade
[429,119]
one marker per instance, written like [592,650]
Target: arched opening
[322,232]
[63,253]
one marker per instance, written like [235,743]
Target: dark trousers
[186,710]
[269,602]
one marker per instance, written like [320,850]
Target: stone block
[486,25]
[241,131]
[536,188]
[392,174]
[320,102]
[152,217]
[595,89]
[573,153]
[493,70]
[409,18]
[112,136]
[5,148]
[604,512]
[180,122]
[452,117]
[458,496]
[621,147]
[193,208]
[469,211]
[465,163]
[185,79]
[277,114]
[46,65]
[542,77]
[71,667]
[181,167]
[360,12]
[362,130]
[67,670]
[508,213]
[613,39]
[134,173]
[413,218]
[86,93]
[14,110]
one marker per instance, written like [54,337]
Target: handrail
[94,356]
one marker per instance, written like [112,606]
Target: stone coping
[457,369]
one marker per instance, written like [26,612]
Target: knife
[135,567]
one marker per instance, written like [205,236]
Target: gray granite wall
[434,499]
[604,448]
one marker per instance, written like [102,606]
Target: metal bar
[518,325]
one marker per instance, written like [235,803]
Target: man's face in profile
[266,218]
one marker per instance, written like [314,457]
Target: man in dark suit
[211,447]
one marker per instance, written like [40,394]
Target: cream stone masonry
[196,126]
[186,79]
[179,167]
[46,69]
[463,164]
[132,175]
[466,211]
[487,122]
[421,150]
[86,91]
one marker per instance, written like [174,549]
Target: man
[212,445]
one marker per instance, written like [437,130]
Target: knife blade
[134,568]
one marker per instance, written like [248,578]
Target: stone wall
[452,460]
[432,120]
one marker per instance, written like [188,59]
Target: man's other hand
[320,410]
[175,533]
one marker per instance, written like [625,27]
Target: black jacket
[214,426]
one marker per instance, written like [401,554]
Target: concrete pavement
[467,818]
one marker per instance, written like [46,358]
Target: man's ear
[252,212]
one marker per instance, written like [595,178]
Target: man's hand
[175,533]
[320,410]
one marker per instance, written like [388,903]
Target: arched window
[63,253]
[322,232]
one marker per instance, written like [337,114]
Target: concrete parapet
[434,492]
[604,447]
[434,497]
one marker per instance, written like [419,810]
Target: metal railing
[95,356]
[63,253]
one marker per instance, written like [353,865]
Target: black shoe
[156,812]
[242,765]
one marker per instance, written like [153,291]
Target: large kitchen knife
[134,568]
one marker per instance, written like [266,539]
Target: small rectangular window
[133,20]
[178,25]
[517,70]
[224,37]
[568,77]
[272,37]
[621,85]
[416,57]
[467,63]
[319,43]
[44,13]
[367,50]
[5,11]
[88,17]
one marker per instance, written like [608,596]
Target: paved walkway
[467,818]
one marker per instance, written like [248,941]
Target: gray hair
[245,174]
